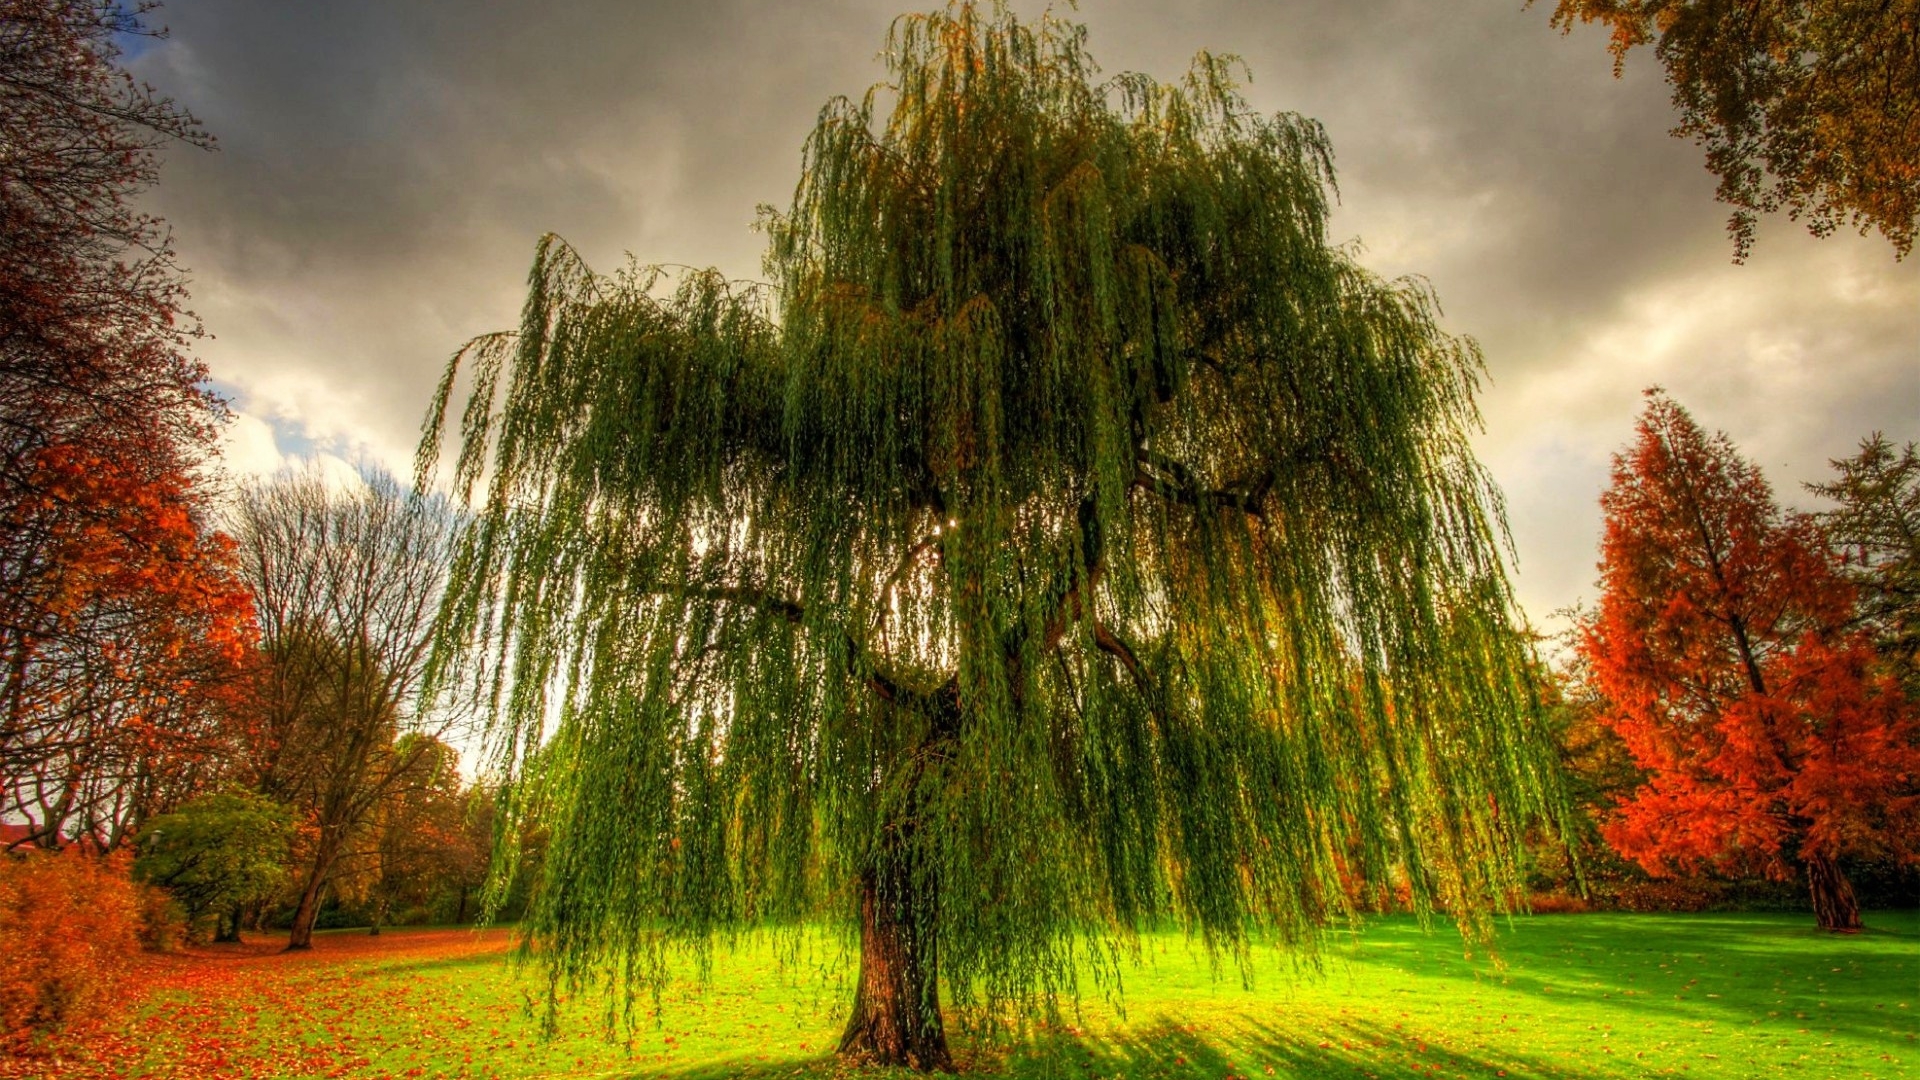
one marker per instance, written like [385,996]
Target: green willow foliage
[1068,522]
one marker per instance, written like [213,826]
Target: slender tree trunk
[53,819]
[227,929]
[460,916]
[300,935]
[379,916]
[1833,904]
[896,1007]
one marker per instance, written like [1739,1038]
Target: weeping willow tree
[1067,540]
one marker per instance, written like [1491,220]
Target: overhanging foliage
[1067,523]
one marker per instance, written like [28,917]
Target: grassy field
[1580,996]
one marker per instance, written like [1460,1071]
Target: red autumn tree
[120,619]
[1769,737]
[93,331]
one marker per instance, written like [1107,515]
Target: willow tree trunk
[1834,906]
[896,1007]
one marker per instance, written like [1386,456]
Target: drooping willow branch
[1067,492]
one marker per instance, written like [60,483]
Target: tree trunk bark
[300,935]
[896,1006]
[1833,904]
[227,929]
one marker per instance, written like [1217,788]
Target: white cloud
[248,448]
[252,450]
[1795,357]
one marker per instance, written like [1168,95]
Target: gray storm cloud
[386,168]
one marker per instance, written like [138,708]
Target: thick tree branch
[860,661]
[1070,606]
[1165,476]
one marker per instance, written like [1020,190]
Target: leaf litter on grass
[1580,997]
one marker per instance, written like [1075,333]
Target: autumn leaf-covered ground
[1580,996]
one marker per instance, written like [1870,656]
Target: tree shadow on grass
[1168,1050]
[1344,1050]
[1707,967]
[498,958]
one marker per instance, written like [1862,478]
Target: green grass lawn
[1733,996]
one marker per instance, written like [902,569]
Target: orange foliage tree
[69,923]
[1722,650]
[126,635]
[1807,106]
[415,842]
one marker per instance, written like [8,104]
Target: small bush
[69,923]
[163,923]
[1558,903]
[1665,895]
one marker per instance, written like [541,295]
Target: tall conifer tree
[1069,539]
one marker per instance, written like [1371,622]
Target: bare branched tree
[346,583]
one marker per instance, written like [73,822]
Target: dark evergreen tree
[1876,529]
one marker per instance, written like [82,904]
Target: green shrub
[217,853]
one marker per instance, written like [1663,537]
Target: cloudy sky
[385,169]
